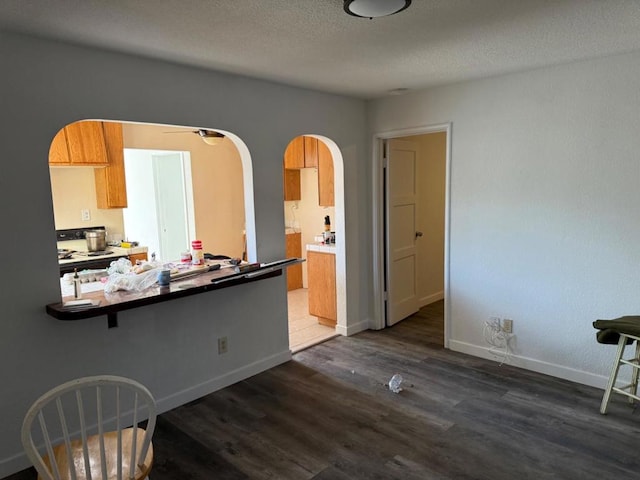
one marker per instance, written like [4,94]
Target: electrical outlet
[85,214]
[507,325]
[222,345]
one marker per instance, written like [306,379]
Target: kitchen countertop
[321,247]
[81,246]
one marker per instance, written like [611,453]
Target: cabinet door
[137,256]
[310,152]
[321,277]
[58,152]
[294,154]
[294,250]
[86,144]
[325,176]
[111,190]
[292,190]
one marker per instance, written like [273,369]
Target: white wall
[170,347]
[544,206]
[74,189]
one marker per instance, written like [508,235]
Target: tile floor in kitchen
[304,329]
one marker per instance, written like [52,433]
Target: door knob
[418,234]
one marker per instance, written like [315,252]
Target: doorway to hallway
[411,264]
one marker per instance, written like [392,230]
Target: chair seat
[111,449]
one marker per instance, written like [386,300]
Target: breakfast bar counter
[110,304]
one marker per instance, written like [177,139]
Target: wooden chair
[630,390]
[88,429]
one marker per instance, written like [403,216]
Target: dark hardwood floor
[329,415]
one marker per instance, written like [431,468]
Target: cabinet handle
[418,234]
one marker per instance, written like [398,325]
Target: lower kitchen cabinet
[133,257]
[321,278]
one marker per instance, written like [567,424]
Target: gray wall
[545,206]
[170,347]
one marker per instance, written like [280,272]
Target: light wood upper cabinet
[79,144]
[111,190]
[294,154]
[302,152]
[58,152]
[292,190]
[311,152]
[326,197]
[308,152]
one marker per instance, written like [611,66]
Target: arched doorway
[313,197]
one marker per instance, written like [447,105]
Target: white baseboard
[429,299]
[560,371]
[353,329]
[18,462]
[218,383]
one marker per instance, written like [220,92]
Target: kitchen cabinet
[292,190]
[79,144]
[293,249]
[111,190]
[321,278]
[302,152]
[326,196]
[133,257]
[58,152]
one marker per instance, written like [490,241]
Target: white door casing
[401,274]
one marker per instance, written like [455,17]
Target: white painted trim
[342,326]
[377,322]
[249,207]
[353,329]
[552,369]
[429,299]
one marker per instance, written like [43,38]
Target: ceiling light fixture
[374,8]
[210,137]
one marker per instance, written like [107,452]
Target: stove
[72,253]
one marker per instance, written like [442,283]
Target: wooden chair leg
[614,373]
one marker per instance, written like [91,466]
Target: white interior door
[160,214]
[400,209]
[173,227]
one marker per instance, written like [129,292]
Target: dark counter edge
[59,312]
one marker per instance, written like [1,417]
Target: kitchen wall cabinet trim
[112,304]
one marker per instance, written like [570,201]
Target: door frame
[379,228]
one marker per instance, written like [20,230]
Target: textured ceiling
[314,44]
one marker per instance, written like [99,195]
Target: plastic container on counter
[197,255]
